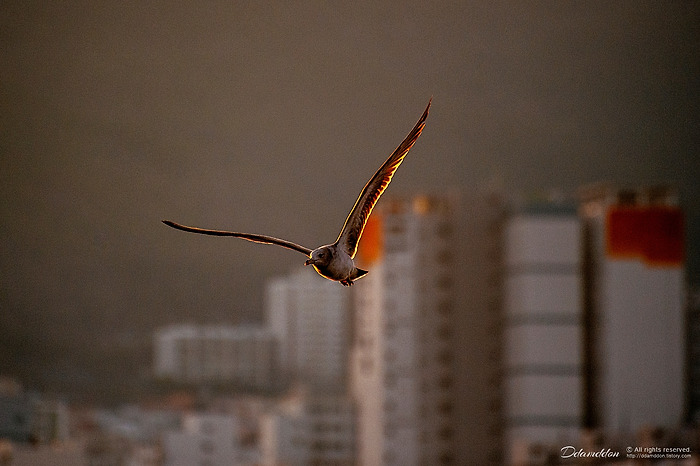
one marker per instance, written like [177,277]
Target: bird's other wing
[355,223]
[247,236]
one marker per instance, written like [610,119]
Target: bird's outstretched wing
[355,223]
[247,236]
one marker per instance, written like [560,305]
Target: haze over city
[270,120]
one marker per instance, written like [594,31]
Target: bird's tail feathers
[359,273]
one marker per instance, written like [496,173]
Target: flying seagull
[335,261]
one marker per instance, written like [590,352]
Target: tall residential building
[634,305]
[543,329]
[311,320]
[243,355]
[426,350]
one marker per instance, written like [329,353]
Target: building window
[366,365]
[444,230]
[445,381]
[445,407]
[445,308]
[445,433]
[444,331]
[447,457]
[207,447]
[389,430]
[445,356]
[389,457]
[390,328]
[444,257]
[443,282]
[208,428]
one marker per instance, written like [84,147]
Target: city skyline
[116,116]
[508,362]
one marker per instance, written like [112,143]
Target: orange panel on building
[653,234]
[371,243]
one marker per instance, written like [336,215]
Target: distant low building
[245,356]
[50,421]
[27,417]
[309,429]
[205,439]
[15,418]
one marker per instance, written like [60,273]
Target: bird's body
[333,263]
[336,261]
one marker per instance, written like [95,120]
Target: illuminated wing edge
[351,232]
[262,239]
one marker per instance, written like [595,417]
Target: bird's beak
[309,262]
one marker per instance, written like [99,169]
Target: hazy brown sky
[269,118]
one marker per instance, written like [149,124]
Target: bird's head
[320,257]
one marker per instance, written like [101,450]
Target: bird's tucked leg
[346,282]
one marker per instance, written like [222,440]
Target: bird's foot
[346,282]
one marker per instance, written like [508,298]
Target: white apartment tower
[634,298]
[403,354]
[426,391]
[311,318]
[543,333]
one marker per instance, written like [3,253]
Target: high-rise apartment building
[543,334]
[594,311]
[634,305]
[426,351]
[404,377]
[314,424]
[311,320]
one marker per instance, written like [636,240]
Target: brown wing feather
[247,236]
[355,223]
